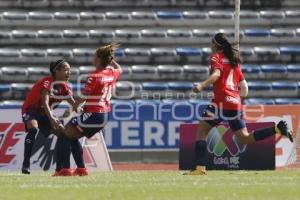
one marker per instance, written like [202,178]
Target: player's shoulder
[46,81]
[216,56]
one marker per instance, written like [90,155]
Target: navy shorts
[43,122]
[90,123]
[214,116]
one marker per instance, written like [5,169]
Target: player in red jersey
[96,97]
[37,115]
[226,76]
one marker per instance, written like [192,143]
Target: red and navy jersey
[226,93]
[98,89]
[58,91]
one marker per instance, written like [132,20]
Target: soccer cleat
[200,170]
[80,172]
[283,129]
[63,172]
[25,170]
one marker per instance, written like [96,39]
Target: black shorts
[90,123]
[214,116]
[43,122]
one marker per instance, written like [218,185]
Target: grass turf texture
[284,184]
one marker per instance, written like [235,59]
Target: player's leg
[77,153]
[210,119]
[31,126]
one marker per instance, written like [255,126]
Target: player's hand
[198,88]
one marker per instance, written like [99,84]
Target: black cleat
[284,130]
[25,170]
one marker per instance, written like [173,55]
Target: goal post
[237,23]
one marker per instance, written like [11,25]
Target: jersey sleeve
[215,63]
[90,85]
[46,84]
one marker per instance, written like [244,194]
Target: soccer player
[37,115]
[96,99]
[226,76]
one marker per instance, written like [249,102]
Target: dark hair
[231,53]
[56,65]
[106,53]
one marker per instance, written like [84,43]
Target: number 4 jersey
[98,89]
[226,93]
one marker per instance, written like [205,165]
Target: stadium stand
[165,44]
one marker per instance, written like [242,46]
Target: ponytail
[230,53]
[106,53]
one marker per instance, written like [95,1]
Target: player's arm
[78,105]
[211,79]
[115,65]
[243,88]
[45,102]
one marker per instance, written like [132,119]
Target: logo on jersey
[233,100]
[107,79]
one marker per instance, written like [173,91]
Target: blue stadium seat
[188,51]
[180,86]
[259,101]
[255,32]
[287,101]
[169,15]
[251,71]
[290,50]
[259,89]
[119,53]
[155,86]
[274,71]
[284,89]
[137,52]
[293,71]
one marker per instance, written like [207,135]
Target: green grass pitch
[231,185]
